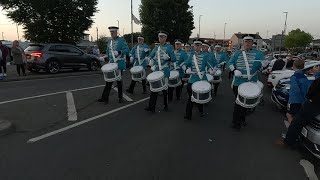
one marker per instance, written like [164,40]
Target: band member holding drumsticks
[117,49]
[222,59]
[138,58]
[237,64]
[164,54]
[212,62]
[179,65]
[202,61]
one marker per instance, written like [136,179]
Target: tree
[173,16]
[102,43]
[51,21]
[127,37]
[297,39]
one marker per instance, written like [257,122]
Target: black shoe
[201,114]
[236,126]
[187,118]
[244,124]
[120,100]
[129,91]
[149,109]
[100,100]
[165,108]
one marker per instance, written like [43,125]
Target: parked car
[54,57]
[275,76]
[310,137]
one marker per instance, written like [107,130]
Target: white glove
[212,71]
[237,73]
[232,67]
[184,67]
[188,71]
[131,60]
[116,53]
[218,72]
[146,49]
[153,68]
[150,62]
[264,63]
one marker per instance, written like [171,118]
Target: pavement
[62,132]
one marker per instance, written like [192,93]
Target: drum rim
[206,82]
[136,67]
[159,78]
[109,70]
[242,95]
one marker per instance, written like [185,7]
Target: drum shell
[201,96]
[157,81]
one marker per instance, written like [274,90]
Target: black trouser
[231,73]
[304,117]
[154,97]
[107,89]
[190,103]
[216,86]
[224,66]
[239,112]
[133,84]
[178,91]
[3,64]
[20,66]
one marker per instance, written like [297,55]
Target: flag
[136,20]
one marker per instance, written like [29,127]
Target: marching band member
[212,62]
[188,49]
[141,50]
[166,54]
[181,58]
[202,61]
[222,59]
[237,64]
[117,49]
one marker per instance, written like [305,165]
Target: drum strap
[197,66]
[247,64]
[159,60]
[112,52]
[138,54]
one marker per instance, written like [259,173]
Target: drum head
[249,89]
[174,74]
[109,67]
[209,77]
[136,69]
[155,76]
[201,87]
[260,84]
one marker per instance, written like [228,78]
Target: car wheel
[94,65]
[53,67]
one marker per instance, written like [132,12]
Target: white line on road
[124,95]
[49,94]
[309,169]
[72,111]
[83,122]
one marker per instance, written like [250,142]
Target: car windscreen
[34,48]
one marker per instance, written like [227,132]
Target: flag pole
[131,26]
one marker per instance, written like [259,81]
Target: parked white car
[275,76]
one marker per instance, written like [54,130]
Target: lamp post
[118,23]
[224,34]
[284,31]
[199,25]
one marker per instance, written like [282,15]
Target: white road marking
[72,111]
[49,94]
[124,95]
[83,122]
[309,169]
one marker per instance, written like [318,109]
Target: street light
[118,23]
[284,31]
[199,25]
[224,34]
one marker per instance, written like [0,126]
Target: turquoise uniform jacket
[120,45]
[202,60]
[143,52]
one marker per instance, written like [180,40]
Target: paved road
[121,141]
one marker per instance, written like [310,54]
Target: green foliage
[173,16]
[127,37]
[102,43]
[51,21]
[297,39]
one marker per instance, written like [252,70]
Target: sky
[246,16]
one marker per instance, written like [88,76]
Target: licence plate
[304,132]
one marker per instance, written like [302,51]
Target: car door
[77,56]
[62,53]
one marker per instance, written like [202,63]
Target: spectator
[4,52]
[17,54]
[290,61]
[278,65]
[96,51]
[299,85]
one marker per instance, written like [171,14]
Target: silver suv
[54,57]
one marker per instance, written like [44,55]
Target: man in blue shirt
[138,56]
[117,49]
[165,52]
[238,64]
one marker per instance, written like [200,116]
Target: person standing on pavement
[200,58]
[117,49]
[179,65]
[237,64]
[18,57]
[96,51]
[4,52]
[138,57]
[165,52]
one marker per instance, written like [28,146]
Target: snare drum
[174,79]
[217,76]
[157,81]
[111,72]
[249,95]
[137,73]
[201,92]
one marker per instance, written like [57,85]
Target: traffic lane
[133,142]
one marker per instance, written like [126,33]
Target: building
[315,45]
[236,40]
[267,44]
[277,41]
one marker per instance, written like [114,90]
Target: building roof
[268,41]
[240,35]
[316,41]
